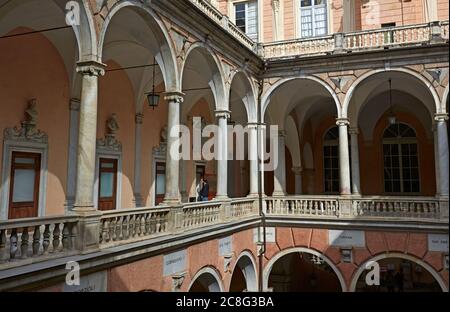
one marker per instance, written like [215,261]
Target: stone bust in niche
[163,135]
[112,125]
[31,118]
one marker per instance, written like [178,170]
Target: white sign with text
[225,246]
[438,242]
[345,238]
[174,262]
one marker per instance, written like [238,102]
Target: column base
[278,194]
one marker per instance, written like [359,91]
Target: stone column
[222,154]
[356,184]
[344,164]
[348,20]
[298,180]
[279,183]
[172,196]
[87,135]
[74,107]
[441,124]
[253,158]
[138,201]
[436,159]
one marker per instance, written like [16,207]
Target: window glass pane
[305,3]
[107,165]
[252,20]
[160,184]
[319,2]
[20,160]
[23,189]
[106,184]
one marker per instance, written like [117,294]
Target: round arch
[212,276]
[217,83]
[166,57]
[426,266]
[417,76]
[269,265]
[266,97]
[250,97]
[247,264]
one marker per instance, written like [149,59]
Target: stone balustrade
[37,238]
[133,224]
[223,21]
[316,206]
[245,207]
[359,41]
[396,207]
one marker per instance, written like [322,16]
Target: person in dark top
[399,278]
[205,190]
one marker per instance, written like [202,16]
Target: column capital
[252,125]
[297,170]
[353,130]
[342,122]
[174,96]
[74,104]
[222,114]
[91,68]
[441,117]
[139,118]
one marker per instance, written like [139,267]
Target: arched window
[331,161]
[401,163]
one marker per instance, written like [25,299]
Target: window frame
[259,12]
[399,141]
[298,23]
[108,155]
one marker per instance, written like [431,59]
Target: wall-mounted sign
[95,282]
[270,235]
[174,262]
[225,246]
[438,242]
[344,238]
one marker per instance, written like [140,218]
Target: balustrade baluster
[158,223]
[36,240]
[106,236]
[24,243]
[13,240]
[66,237]
[46,241]
[2,244]
[73,235]
[119,234]
[56,237]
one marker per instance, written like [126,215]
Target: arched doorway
[244,274]
[302,270]
[399,273]
[206,280]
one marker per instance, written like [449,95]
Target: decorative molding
[438,74]
[139,118]
[91,68]
[28,132]
[342,122]
[441,117]
[74,105]
[222,114]
[177,281]
[160,150]
[227,263]
[109,143]
[340,81]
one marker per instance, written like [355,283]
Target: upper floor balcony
[358,41]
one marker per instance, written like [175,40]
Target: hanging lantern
[153,97]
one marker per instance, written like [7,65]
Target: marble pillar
[298,180]
[138,200]
[279,183]
[442,136]
[87,135]
[222,154]
[356,185]
[74,108]
[344,164]
[253,158]
[172,195]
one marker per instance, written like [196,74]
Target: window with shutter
[313,18]
[246,18]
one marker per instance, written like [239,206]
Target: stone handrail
[393,36]
[38,238]
[325,206]
[359,41]
[194,215]
[133,224]
[223,21]
[396,207]
[243,207]
[299,47]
